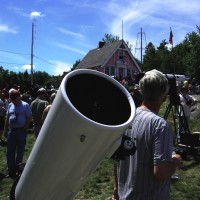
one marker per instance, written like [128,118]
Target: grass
[99,185]
[6,183]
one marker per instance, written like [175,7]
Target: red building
[114,59]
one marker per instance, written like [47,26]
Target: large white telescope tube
[88,116]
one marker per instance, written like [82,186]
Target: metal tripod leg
[169,107]
[182,119]
[168,110]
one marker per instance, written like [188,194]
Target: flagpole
[32,43]
[171,37]
[171,42]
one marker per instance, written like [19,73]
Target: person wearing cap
[15,87]
[37,108]
[18,119]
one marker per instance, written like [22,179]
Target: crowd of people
[19,113]
[192,86]
[144,175]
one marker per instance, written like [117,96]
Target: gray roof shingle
[98,56]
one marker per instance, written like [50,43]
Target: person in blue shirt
[18,119]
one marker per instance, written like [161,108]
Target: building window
[121,57]
[128,72]
[112,71]
[121,54]
[107,70]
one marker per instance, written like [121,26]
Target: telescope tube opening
[98,99]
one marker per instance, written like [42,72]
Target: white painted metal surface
[88,116]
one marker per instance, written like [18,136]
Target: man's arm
[28,122]
[115,193]
[165,170]
[6,125]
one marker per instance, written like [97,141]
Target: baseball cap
[41,91]
[14,94]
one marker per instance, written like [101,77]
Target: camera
[173,92]
[126,148]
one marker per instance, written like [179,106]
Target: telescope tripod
[186,143]
[176,110]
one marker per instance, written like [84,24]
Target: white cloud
[59,67]
[28,67]
[155,16]
[7,29]
[36,14]
[70,48]
[67,32]
[21,12]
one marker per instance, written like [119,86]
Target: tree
[109,38]
[181,59]
[156,58]
[75,64]
[150,60]
[163,58]
[192,58]
[41,78]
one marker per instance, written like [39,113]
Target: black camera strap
[127,146]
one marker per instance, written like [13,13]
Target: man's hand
[115,195]
[177,160]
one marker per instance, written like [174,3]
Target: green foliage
[75,64]
[100,184]
[188,185]
[6,183]
[150,60]
[181,59]
[8,78]
[41,78]
[109,38]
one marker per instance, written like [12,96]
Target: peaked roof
[97,57]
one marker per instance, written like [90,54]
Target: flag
[171,37]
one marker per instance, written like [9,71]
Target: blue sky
[65,30]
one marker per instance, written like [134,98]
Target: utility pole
[32,43]
[141,44]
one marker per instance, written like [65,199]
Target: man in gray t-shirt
[37,108]
[146,174]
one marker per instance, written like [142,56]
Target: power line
[49,62]
[12,63]
[28,55]
[15,52]
[44,60]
